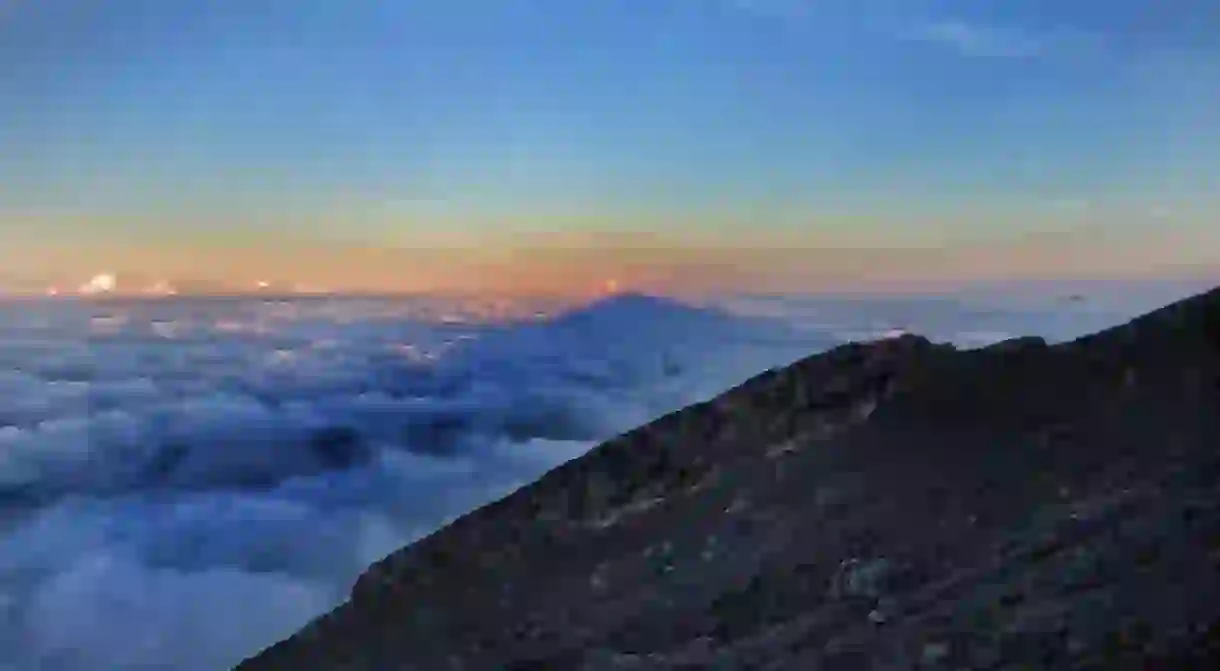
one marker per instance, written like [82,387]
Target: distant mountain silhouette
[635,310]
[899,504]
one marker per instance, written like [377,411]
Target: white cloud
[976,40]
[177,503]
[74,617]
[173,478]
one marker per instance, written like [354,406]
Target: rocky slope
[893,505]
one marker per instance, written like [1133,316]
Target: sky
[549,145]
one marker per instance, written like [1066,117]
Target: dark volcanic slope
[894,505]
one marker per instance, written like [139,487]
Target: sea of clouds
[183,482]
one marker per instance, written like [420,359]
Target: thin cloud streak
[974,40]
[773,8]
[977,41]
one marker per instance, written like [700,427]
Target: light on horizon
[162,288]
[100,284]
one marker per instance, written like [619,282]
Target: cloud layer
[184,482]
[977,40]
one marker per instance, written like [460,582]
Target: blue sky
[832,122]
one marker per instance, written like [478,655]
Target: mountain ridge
[893,504]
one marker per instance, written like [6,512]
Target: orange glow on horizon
[593,269]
